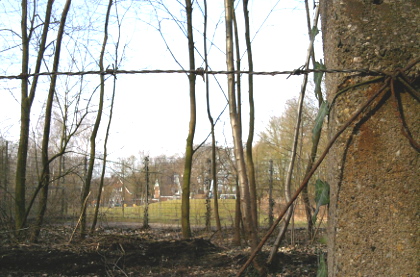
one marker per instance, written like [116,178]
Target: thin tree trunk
[315,141]
[189,151]
[238,75]
[101,184]
[61,161]
[86,188]
[27,98]
[236,240]
[45,175]
[283,230]
[213,137]
[146,205]
[239,225]
[6,205]
[270,196]
[236,131]
[207,182]
[249,158]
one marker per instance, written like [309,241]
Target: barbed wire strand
[295,72]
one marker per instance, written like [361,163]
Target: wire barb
[114,72]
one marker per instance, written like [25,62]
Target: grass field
[169,212]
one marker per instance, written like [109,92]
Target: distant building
[120,195]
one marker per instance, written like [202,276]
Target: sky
[151,111]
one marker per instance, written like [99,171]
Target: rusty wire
[198,71]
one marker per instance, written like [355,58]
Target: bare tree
[316,137]
[251,231]
[212,124]
[111,112]
[249,159]
[189,151]
[86,188]
[293,153]
[27,98]
[45,174]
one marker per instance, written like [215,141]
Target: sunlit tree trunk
[249,159]
[251,231]
[373,167]
[189,151]
[111,112]
[86,187]
[213,137]
[315,142]
[236,240]
[45,174]
[27,98]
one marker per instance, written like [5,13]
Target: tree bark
[146,194]
[249,158]
[27,98]
[189,151]
[251,232]
[45,175]
[373,169]
[213,137]
[111,112]
[86,188]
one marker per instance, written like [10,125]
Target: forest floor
[128,251]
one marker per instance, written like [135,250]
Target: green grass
[169,212]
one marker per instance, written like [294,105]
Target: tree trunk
[213,137]
[189,151]
[373,170]
[236,240]
[146,204]
[27,98]
[287,187]
[45,175]
[111,112]
[249,159]
[270,195]
[86,188]
[251,232]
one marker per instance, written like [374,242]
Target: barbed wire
[199,71]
